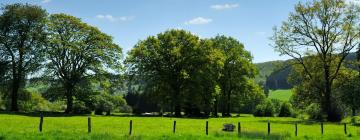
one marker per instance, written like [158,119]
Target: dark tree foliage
[22,39]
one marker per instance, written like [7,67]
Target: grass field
[283,95]
[117,127]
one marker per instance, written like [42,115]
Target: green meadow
[283,95]
[13,126]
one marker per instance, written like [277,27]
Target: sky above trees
[128,21]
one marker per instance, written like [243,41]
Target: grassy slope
[115,127]
[283,95]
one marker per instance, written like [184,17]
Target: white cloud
[198,21]
[45,1]
[112,18]
[224,6]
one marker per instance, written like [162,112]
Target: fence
[267,128]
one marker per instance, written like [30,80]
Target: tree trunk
[223,105]
[14,94]
[177,102]
[228,108]
[177,110]
[328,105]
[215,113]
[353,112]
[69,99]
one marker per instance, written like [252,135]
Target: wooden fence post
[130,127]
[322,128]
[239,128]
[268,127]
[207,127]
[89,124]
[41,122]
[296,130]
[345,128]
[174,128]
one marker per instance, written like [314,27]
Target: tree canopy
[22,43]
[326,30]
[77,50]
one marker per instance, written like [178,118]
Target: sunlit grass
[283,95]
[115,127]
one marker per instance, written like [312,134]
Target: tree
[78,51]
[177,68]
[326,29]
[236,70]
[22,39]
[350,90]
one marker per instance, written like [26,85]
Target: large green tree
[175,65]
[236,70]
[22,39]
[77,51]
[326,29]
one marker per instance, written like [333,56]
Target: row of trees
[61,48]
[183,73]
[79,64]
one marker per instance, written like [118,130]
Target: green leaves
[78,51]
[189,71]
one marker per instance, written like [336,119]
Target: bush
[277,105]
[103,104]
[79,107]
[125,109]
[314,111]
[33,101]
[355,120]
[285,110]
[264,109]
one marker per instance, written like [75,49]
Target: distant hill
[278,72]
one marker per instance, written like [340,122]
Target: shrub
[285,110]
[125,109]
[355,120]
[33,101]
[103,104]
[79,107]
[277,105]
[314,111]
[265,109]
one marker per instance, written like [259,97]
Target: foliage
[355,120]
[80,108]
[248,99]
[237,69]
[22,39]
[265,109]
[326,30]
[286,110]
[77,50]
[172,65]
[108,103]
[350,90]
[31,101]
[277,105]
[179,72]
[314,111]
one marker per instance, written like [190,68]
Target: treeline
[180,72]
[71,58]
[57,62]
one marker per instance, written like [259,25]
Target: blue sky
[128,21]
